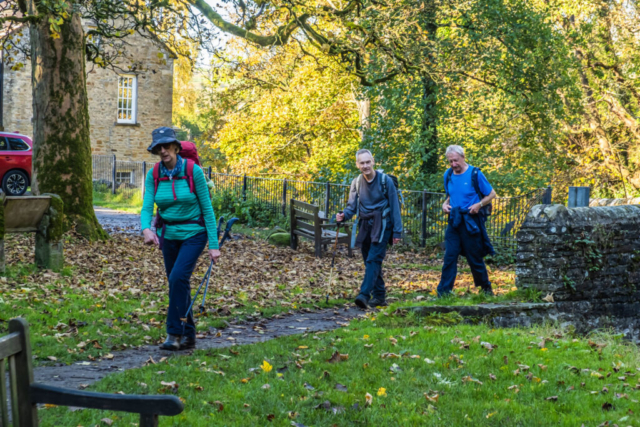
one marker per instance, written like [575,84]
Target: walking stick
[333,260]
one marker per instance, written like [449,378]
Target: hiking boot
[361,302]
[188,343]
[488,292]
[172,343]
[375,302]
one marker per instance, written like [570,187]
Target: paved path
[81,374]
[117,221]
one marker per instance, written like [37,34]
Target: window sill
[127,124]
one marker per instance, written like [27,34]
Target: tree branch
[278,39]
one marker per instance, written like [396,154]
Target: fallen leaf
[341,387]
[368,399]
[548,298]
[107,421]
[337,357]
[552,398]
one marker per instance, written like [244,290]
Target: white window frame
[124,177]
[133,99]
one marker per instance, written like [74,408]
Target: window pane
[18,144]
[126,99]
[3,144]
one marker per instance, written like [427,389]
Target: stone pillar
[49,248]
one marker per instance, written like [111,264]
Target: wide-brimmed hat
[163,135]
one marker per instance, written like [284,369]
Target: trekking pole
[207,276]
[333,259]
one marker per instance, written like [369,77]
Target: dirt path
[80,374]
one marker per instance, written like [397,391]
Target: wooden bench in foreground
[42,215]
[307,222]
[25,394]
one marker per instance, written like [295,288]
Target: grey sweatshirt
[372,199]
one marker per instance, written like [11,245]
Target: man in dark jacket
[374,199]
[468,197]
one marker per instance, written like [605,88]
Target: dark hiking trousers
[373,254]
[180,257]
[458,241]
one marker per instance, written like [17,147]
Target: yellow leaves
[382,391]
[266,366]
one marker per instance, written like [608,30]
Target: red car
[15,163]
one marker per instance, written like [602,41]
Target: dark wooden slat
[299,204]
[24,371]
[139,404]
[13,381]
[4,408]
[9,345]
[148,420]
[305,226]
[304,215]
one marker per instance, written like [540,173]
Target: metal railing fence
[424,221]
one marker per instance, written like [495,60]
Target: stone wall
[127,142]
[588,259]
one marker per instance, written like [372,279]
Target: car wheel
[15,183]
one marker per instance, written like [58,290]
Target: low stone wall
[580,253]
[588,259]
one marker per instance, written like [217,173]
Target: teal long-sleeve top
[187,206]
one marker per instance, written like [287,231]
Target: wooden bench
[40,214]
[25,394]
[307,222]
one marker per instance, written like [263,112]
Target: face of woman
[168,153]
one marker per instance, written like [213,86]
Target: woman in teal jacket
[187,223]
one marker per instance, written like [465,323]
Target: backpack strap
[383,182]
[447,180]
[156,177]
[474,182]
[190,164]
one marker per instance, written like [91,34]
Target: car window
[3,144]
[18,144]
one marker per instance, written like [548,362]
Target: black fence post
[113,176]
[327,196]
[423,234]
[244,188]
[546,197]
[209,172]
[144,176]
[284,198]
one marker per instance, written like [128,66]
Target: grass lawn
[387,371]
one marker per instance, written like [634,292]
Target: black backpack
[474,182]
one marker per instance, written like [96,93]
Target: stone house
[124,105]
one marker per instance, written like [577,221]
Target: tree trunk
[62,147]
[429,128]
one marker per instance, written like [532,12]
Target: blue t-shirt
[461,191]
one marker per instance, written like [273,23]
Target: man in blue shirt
[467,204]
[374,199]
